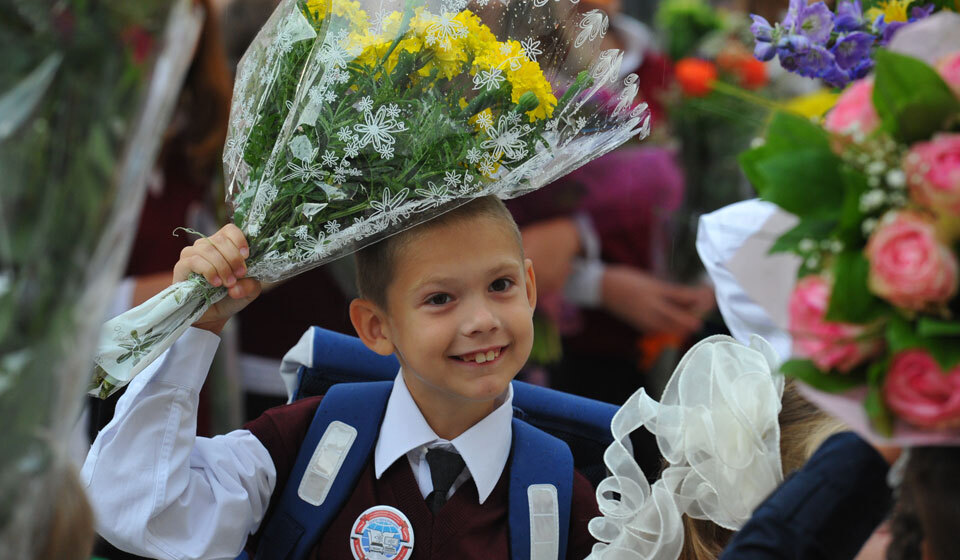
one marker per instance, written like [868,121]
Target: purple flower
[764,51]
[852,48]
[793,12]
[789,60]
[921,12]
[816,22]
[834,76]
[862,69]
[761,28]
[849,16]
[795,43]
[815,62]
[890,29]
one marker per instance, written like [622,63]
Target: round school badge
[381,533]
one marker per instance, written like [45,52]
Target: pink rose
[908,266]
[854,115]
[829,345]
[917,390]
[933,173]
[949,69]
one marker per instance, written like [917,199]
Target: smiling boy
[453,299]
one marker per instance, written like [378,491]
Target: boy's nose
[480,319]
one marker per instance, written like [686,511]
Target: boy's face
[460,310]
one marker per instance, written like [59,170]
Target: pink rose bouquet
[949,69]
[876,188]
[917,390]
[908,266]
[830,345]
[854,115]
[933,171]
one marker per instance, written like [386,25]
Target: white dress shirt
[484,447]
[160,491]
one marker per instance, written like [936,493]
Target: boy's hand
[220,259]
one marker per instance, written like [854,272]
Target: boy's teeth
[481,357]
[491,355]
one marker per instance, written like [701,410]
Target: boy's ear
[370,322]
[531,283]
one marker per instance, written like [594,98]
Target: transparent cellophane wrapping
[353,120]
[86,91]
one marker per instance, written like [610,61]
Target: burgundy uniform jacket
[462,529]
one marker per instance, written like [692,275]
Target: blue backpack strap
[296,526]
[538,460]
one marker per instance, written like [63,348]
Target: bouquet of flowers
[73,181]
[838,47]
[877,191]
[354,120]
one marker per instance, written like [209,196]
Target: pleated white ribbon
[717,427]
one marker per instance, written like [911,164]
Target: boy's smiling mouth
[482,356]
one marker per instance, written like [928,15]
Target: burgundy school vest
[463,529]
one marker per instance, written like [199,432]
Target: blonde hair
[803,427]
[69,533]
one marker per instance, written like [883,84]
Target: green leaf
[851,218]
[805,371]
[934,327]
[810,228]
[850,300]
[904,335]
[913,102]
[880,416]
[795,168]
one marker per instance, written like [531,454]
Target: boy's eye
[439,299]
[501,285]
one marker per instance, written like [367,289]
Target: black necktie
[445,467]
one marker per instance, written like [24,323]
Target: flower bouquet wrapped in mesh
[354,120]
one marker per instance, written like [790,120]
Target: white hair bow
[717,427]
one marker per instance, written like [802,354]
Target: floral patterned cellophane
[354,120]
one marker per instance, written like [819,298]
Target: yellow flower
[522,74]
[814,104]
[891,10]
[349,10]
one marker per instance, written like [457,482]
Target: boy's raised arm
[157,489]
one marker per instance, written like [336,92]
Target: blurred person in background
[599,241]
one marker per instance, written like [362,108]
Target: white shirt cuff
[584,286]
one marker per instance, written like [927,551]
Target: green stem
[744,95]
[404,26]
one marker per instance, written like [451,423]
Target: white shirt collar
[484,447]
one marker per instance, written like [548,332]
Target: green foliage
[796,170]
[911,99]
[850,300]
[59,167]
[904,335]
[805,371]
[810,228]
[685,23]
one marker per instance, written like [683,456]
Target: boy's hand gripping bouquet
[354,120]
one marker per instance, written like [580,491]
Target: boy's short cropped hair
[376,262]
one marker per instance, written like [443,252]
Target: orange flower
[695,76]
[752,73]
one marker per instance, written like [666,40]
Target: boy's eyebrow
[499,268]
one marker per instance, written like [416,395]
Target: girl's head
[803,427]
[926,519]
